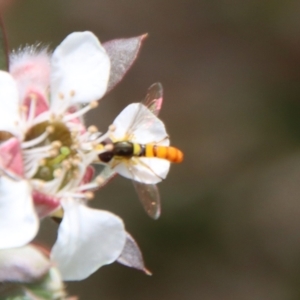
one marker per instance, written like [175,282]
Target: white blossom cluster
[47,153]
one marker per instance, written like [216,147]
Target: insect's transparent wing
[149,197]
[154,98]
[153,102]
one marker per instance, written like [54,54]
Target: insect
[138,148]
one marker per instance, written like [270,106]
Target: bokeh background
[230,225]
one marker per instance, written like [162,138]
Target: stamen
[77,196]
[31,167]
[103,137]
[89,186]
[99,181]
[38,150]
[81,111]
[52,187]
[32,108]
[23,112]
[37,140]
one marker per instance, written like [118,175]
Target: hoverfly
[138,148]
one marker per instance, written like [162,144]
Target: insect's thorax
[121,150]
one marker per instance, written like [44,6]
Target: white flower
[44,112]
[137,124]
[87,240]
[18,220]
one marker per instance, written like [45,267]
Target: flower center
[57,154]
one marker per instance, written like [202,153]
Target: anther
[74,146]
[66,164]
[42,162]
[92,129]
[112,127]
[56,144]
[33,96]
[99,180]
[72,93]
[57,173]
[89,195]
[23,108]
[53,152]
[61,96]
[93,104]
[75,162]
[50,129]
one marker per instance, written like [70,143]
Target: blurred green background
[230,224]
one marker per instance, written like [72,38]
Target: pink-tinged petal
[144,127]
[9,105]
[11,160]
[30,67]
[18,220]
[35,101]
[131,255]
[44,204]
[146,170]
[87,239]
[26,264]
[89,174]
[122,54]
[80,71]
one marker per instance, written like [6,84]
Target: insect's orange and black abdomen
[171,154]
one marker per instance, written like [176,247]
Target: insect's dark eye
[105,156]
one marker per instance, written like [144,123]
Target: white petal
[144,125]
[143,169]
[9,104]
[18,220]
[87,239]
[80,70]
